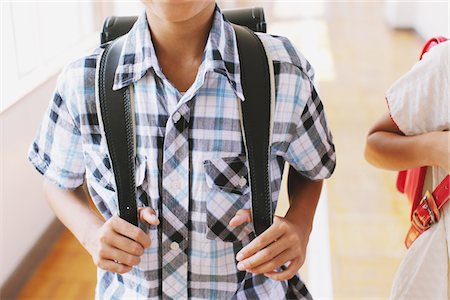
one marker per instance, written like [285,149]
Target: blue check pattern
[191,166]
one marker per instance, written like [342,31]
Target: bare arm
[388,148]
[70,206]
[304,195]
[115,245]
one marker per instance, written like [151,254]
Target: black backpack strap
[116,115]
[256,121]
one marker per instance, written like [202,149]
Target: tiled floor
[368,218]
[356,58]
[67,273]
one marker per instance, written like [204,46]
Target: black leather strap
[116,115]
[256,109]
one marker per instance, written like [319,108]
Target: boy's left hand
[284,241]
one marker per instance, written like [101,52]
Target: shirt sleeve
[419,101]
[56,151]
[311,150]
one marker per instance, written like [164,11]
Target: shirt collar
[220,54]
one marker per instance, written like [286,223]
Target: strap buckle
[422,222]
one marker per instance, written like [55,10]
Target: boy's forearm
[71,207]
[394,151]
[304,195]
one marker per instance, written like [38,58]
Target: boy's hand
[242,216]
[284,241]
[117,245]
[147,214]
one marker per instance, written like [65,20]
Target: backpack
[116,113]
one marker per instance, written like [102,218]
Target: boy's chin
[177,10]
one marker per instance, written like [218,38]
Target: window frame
[45,69]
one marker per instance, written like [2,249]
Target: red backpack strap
[431,43]
[401,181]
[414,188]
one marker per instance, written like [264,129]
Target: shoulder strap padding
[116,115]
[256,120]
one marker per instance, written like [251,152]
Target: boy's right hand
[117,245]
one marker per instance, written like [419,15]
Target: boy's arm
[115,245]
[388,148]
[287,238]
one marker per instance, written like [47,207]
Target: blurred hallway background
[359,231]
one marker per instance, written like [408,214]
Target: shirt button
[242,182]
[176,117]
[176,185]
[174,246]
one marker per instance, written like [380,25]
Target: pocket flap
[229,174]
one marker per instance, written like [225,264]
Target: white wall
[24,214]
[34,50]
[437,25]
[427,18]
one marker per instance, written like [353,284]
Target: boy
[182,63]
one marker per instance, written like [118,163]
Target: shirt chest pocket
[228,192]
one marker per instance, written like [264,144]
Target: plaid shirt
[191,166]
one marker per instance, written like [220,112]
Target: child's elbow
[378,150]
[372,149]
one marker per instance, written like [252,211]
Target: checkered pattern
[190,162]
[229,174]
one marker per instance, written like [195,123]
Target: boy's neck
[181,42]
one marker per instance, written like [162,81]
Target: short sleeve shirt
[191,166]
[419,102]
